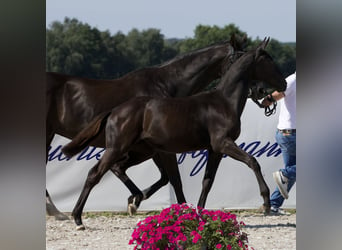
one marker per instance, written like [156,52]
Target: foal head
[265,69]
[252,68]
[261,73]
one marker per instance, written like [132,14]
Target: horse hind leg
[119,169]
[169,171]
[168,167]
[137,196]
[94,176]
[51,209]
[139,156]
[230,148]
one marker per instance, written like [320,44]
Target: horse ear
[238,42]
[264,43]
[262,47]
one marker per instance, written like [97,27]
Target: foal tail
[82,139]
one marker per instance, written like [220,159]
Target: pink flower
[196,238]
[144,236]
[180,225]
[218,246]
[220,231]
[181,237]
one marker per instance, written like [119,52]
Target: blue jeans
[287,144]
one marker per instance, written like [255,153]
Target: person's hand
[266,101]
[272,98]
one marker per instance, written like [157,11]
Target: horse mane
[195,51]
[238,41]
[179,58]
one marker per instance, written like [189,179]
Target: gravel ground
[113,231]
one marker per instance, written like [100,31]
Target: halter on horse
[259,91]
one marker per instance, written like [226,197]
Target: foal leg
[168,167]
[137,196]
[164,179]
[214,160]
[135,157]
[132,200]
[94,176]
[230,148]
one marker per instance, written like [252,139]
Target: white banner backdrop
[235,185]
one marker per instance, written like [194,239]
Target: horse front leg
[230,148]
[214,160]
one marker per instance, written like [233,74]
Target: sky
[179,18]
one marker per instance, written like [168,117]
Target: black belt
[287,131]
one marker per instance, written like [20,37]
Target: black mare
[209,120]
[72,102]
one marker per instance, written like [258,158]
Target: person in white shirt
[286,139]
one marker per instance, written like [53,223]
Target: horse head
[237,47]
[259,90]
[266,70]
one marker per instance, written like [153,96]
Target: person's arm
[271,98]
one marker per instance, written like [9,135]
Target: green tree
[284,55]
[145,48]
[206,35]
[75,48]
[115,63]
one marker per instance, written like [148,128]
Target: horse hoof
[132,209]
[61,217]
[80,227]
[267,210]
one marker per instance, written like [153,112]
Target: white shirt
[287,115]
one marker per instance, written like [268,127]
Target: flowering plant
[186,227]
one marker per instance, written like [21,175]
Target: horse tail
[82,139]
